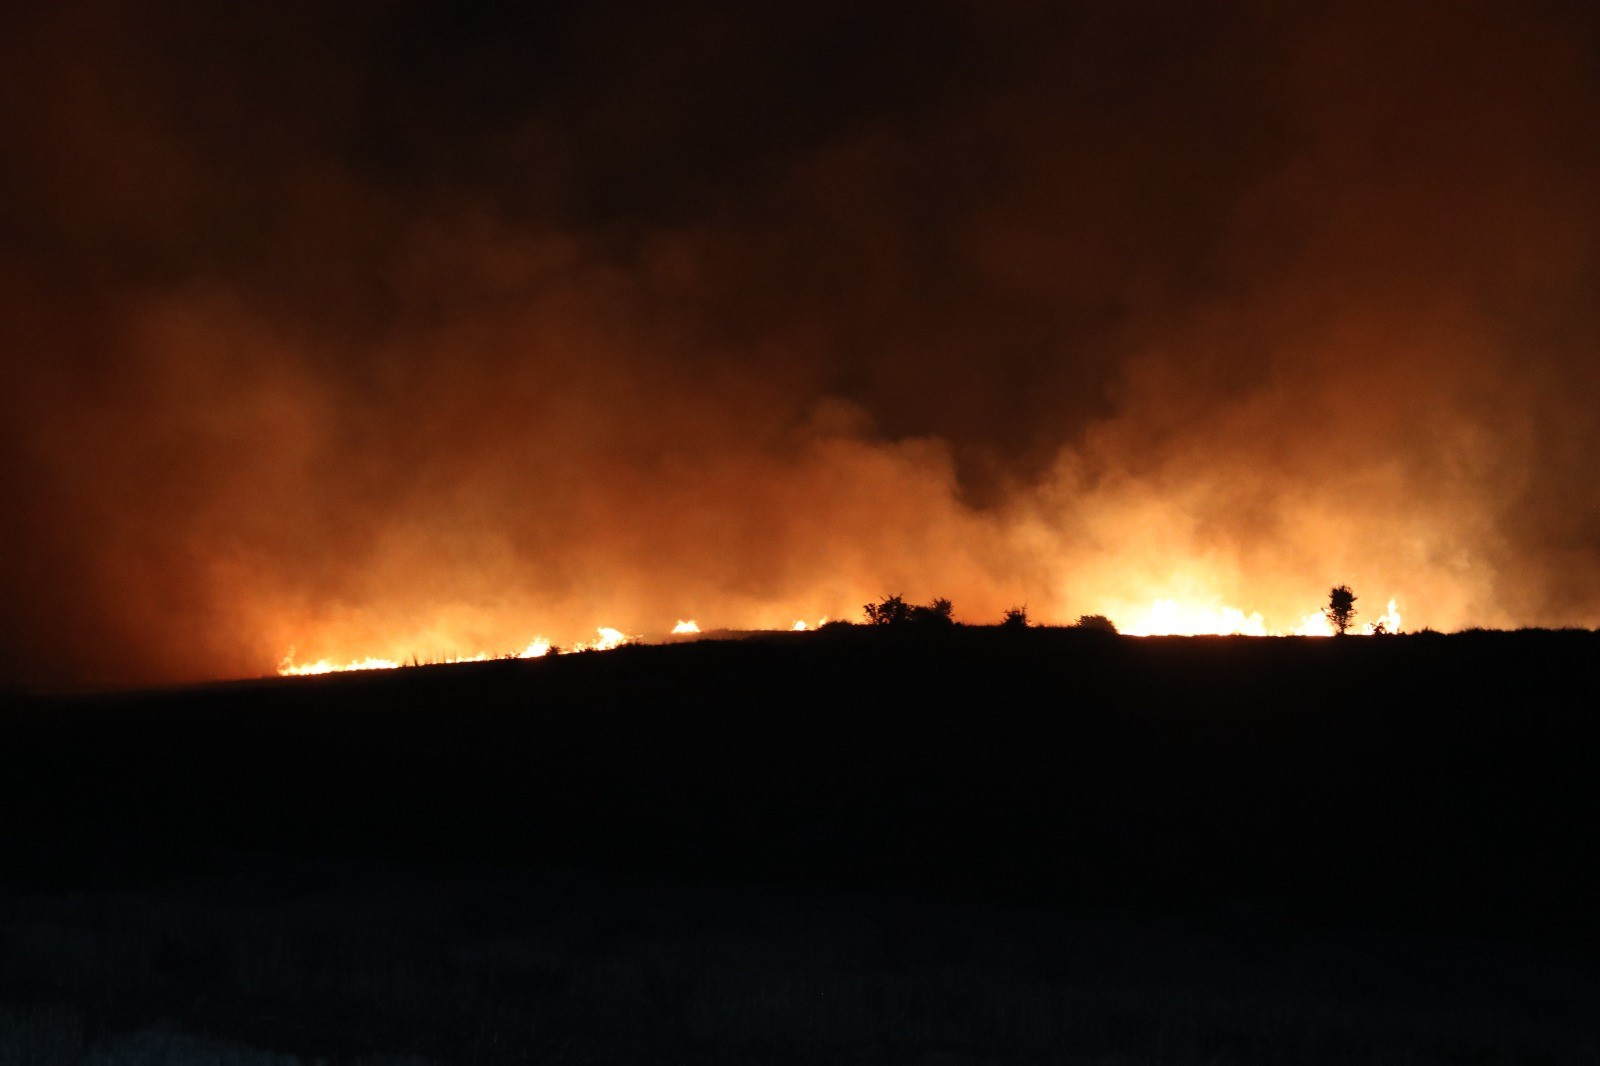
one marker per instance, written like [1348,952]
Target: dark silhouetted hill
[1443,780]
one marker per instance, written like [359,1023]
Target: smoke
[381,330]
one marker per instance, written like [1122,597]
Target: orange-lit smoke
[317,340]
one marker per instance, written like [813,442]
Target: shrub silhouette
[1095,623]
[1016,618]
[937,613]
[895,611]
[1341,609]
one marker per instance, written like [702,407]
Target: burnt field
[1428,797]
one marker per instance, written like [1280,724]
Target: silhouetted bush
[937,613]
[1016,618]
[895,611]
[1095,623]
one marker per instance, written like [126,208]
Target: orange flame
[1173,617]
[287,667]
[1170,615]
[609,638]
[1387,622]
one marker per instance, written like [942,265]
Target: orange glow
[287,667]
[1389,620]
[1315,624]
[1195,614]
[1167,617]
[609,638]
[1174,617]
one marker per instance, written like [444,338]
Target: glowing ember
[685,627]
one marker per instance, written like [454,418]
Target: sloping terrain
[1443,776]
[1422,804]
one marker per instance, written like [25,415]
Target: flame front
[1174,617]
[287,667]
[609,638]
[1165,616]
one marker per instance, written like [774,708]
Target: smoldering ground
[379,329]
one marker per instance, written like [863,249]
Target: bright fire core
[1170,617]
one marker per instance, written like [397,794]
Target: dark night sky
[380,328]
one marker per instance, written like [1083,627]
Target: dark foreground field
[963,847]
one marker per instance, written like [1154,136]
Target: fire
[1315,624]
[1165,616]
[287,667]
[1171,617]
[606,639]
[1387,622]
[609,639]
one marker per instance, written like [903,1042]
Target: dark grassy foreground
[964,847]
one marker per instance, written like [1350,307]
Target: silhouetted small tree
[893,611]
[1095,623]
[1341,609]
[1016,618]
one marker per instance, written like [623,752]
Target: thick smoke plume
[376,329]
